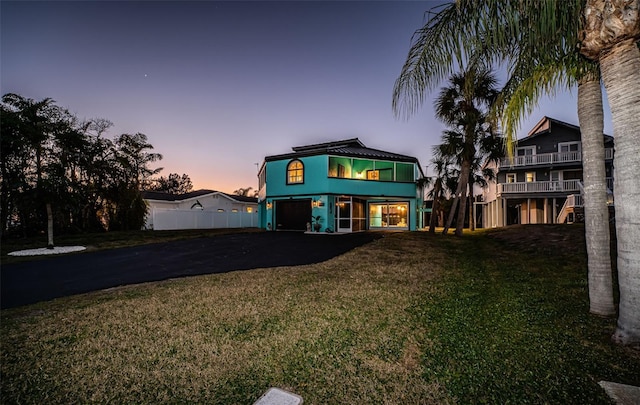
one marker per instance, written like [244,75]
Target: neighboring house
[542,184]
[202,209]
[343,186]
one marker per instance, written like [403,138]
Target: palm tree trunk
[464,179]
[454,205]
[472,224]
[452,211]
[49,227]
[596,212]
[435,207]
[620,69]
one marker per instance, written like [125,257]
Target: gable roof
[162,196]
[546,124]
[348,147]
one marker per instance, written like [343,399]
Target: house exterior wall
[324,192]
[214,211]
[317,181]
[556,176]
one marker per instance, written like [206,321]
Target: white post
[528,211]
[545,211]
[555,214]
[504,212]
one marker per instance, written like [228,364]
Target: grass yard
[411,318]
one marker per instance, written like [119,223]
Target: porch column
[545,211]
[504,212]
[555,214]
[528,211]
[492,210]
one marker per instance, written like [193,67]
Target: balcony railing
[539,187]
[548,158]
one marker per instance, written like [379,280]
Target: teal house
[340,186]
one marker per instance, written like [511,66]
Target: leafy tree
[246,192]
[132,158]
[173,184]
[57,172]
[50,152]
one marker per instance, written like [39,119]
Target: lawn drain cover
[276,396]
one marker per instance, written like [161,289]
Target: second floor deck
[563,186]
[549,159]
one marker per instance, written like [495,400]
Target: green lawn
[411,318]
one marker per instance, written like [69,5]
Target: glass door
[389,215]
[343,214]
[556,180]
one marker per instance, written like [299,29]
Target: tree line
[57,170]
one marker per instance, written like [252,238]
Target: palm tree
[610,36]
[47,135]
[538,40]
[463,106]
[566,68]
[490,151]
[441,164]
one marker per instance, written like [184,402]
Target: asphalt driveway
[42,280]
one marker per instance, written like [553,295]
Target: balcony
[565,186]
[548,159]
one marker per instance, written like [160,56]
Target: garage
[293,214]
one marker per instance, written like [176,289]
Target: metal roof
[349,147]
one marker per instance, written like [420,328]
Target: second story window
[564,147]
[295,172]
[530,177]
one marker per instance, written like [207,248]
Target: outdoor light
[269,205]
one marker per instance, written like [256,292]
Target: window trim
[533,178]
[289,170]
[524,149]
[569,144]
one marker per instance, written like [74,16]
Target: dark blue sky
[216,86]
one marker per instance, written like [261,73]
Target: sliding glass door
[389,215]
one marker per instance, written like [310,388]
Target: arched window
[295,172]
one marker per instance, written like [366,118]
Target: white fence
[194,219]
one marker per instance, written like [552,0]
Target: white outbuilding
[201,209]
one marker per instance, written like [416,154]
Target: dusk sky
[217,86]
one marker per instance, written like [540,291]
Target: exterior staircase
[573,208]
[570,208]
